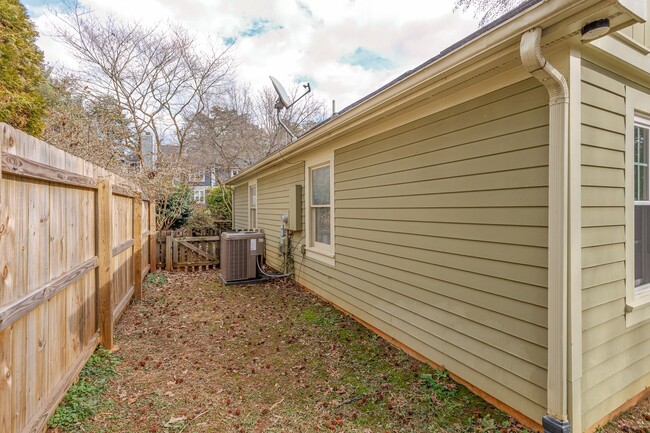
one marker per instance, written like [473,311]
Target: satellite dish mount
[285,102]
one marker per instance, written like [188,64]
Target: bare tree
[159,77]
[224,137]
[88,128]
[489,10]
[243,128]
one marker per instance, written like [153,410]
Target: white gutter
[558,247]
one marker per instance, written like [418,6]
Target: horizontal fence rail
[75,244]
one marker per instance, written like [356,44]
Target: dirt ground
[635,420]
[201,357]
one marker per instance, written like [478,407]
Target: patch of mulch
[635,420]
[198,356]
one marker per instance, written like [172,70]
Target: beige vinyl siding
[640,32]
[272,203]
[441,240]
[240,210]
[615,359]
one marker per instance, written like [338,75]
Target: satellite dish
[284,102]
[282,94]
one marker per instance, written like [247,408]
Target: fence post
[168,252]
[153,235]
[137,246]
[105,259]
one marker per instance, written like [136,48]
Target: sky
[345,49]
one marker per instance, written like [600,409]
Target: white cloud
[301,37]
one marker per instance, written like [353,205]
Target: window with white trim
[637,206]
[641,204]
[252,194]
[321,205]
[199,196]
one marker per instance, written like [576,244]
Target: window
[319,202]
[253,206]
[637,207]
[320,205]
[199,196]
[641,205]
[234,172]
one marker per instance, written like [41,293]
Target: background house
[201,179]
[201,182]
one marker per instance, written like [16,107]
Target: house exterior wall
[441,225]
[615,363]
[240,207]
[272,203]
[441,239]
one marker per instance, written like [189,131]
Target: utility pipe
[556,420]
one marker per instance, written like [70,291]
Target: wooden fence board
[73,343]
[153,239]
[122,304]
[137,247]
[6,379]
[105,256]
[6,365]
[19,383]
[49,405]
[90,250]
[57,252]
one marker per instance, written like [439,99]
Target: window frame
[637,299]
[252,207]
[199,196]
[324,253]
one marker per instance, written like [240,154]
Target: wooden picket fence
[190,250]
[75,244]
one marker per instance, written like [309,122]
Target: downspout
[556,420]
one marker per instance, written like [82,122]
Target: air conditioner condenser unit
[239,255]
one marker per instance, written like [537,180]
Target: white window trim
[252,183]
[315,250]
[199,195]
[637,300]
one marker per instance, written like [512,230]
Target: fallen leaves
[174,421]
[200,357]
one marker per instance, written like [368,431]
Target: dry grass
[201,357]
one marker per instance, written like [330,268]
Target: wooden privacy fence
[189,250]
[75,244]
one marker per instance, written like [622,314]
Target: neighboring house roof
[500,34]
[169,149]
